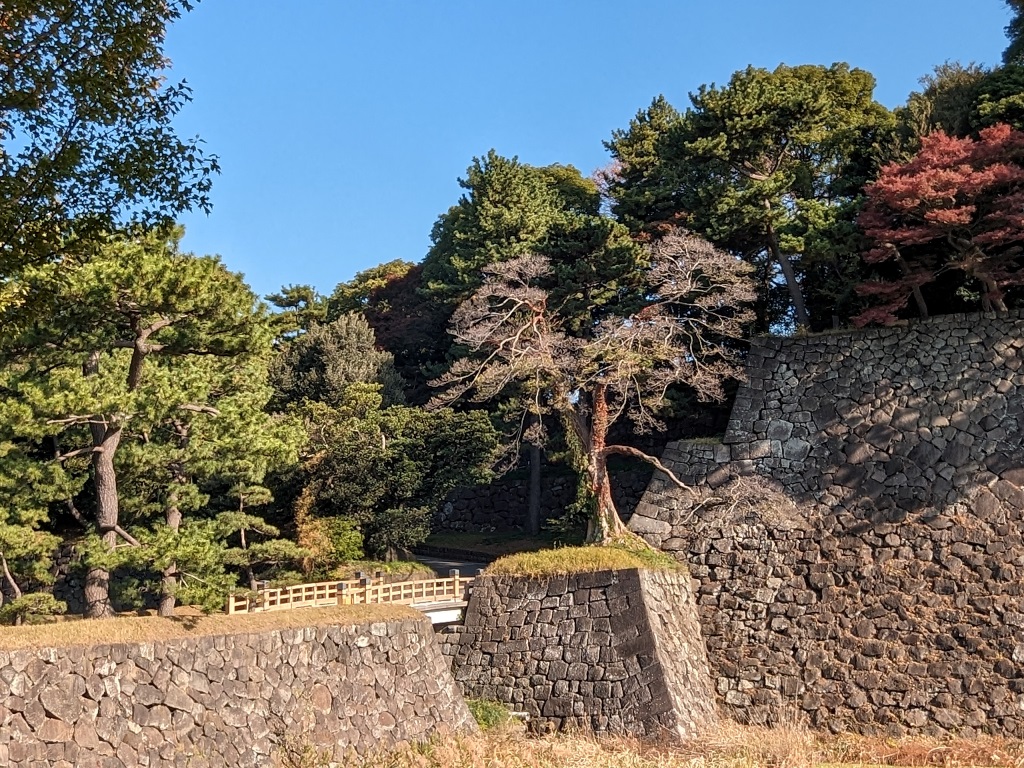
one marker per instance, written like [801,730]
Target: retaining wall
[616,651]
[502,506]
[228,700]
[892,601]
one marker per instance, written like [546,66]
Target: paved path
[441,566]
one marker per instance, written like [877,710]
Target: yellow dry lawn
[147,629]
[728,746]
[567,560]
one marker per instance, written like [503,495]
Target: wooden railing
[362,591]
[454,589]
[285,598]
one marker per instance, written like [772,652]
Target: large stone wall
[502,505]
[616,651]
[893,600]
[228,700]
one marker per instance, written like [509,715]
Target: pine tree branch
[10,577]
[80,518]
[625,450]
[208,409]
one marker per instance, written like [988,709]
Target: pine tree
[148,375]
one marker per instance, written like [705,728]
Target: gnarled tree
[693,304]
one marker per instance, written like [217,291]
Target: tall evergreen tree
[324,361]
[757,166]
[116,395]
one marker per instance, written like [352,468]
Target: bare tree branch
[693,306]
[625,450]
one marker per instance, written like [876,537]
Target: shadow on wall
[895,604]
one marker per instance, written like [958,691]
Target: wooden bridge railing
[421,592]
[353,592]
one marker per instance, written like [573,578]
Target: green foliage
[329,541]
[31,607]
[406,321]
[385,469]
[86,135]
[506,212]
[1000,97]
[151,372]
[301,308]
[760,166]
[947,102]
[364,291]
[320,364]
[488,714]
[636,185]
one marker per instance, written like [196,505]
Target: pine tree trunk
[605,525]
[97,579]
[169,579]
[796,293]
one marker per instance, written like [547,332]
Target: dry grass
[145,629]
[728,746]
[565,560]
[510,748]
[926,751]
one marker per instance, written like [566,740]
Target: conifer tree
[147,376]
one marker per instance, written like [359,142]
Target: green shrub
[488,714]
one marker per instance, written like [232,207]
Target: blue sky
[343,125]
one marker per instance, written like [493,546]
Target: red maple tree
[957,205]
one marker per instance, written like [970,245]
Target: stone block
[643,647]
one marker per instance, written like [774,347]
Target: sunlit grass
[620,555]
[727,745]
[146,629]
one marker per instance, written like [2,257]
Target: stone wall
[226,700]
[893,600]
[608,651]
[502,505]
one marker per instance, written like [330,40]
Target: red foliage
[957,205]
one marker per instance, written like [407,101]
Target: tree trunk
[605,525]
[533,512]
[249,572]
[169,579]
[97,579]
[796,293]
[992,297]
[922,307]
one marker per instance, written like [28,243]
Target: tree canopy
[514,334]
[956,206]
[86,137]
[145,383]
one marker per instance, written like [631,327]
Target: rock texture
[231,700]
[613,651]
[894,601]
